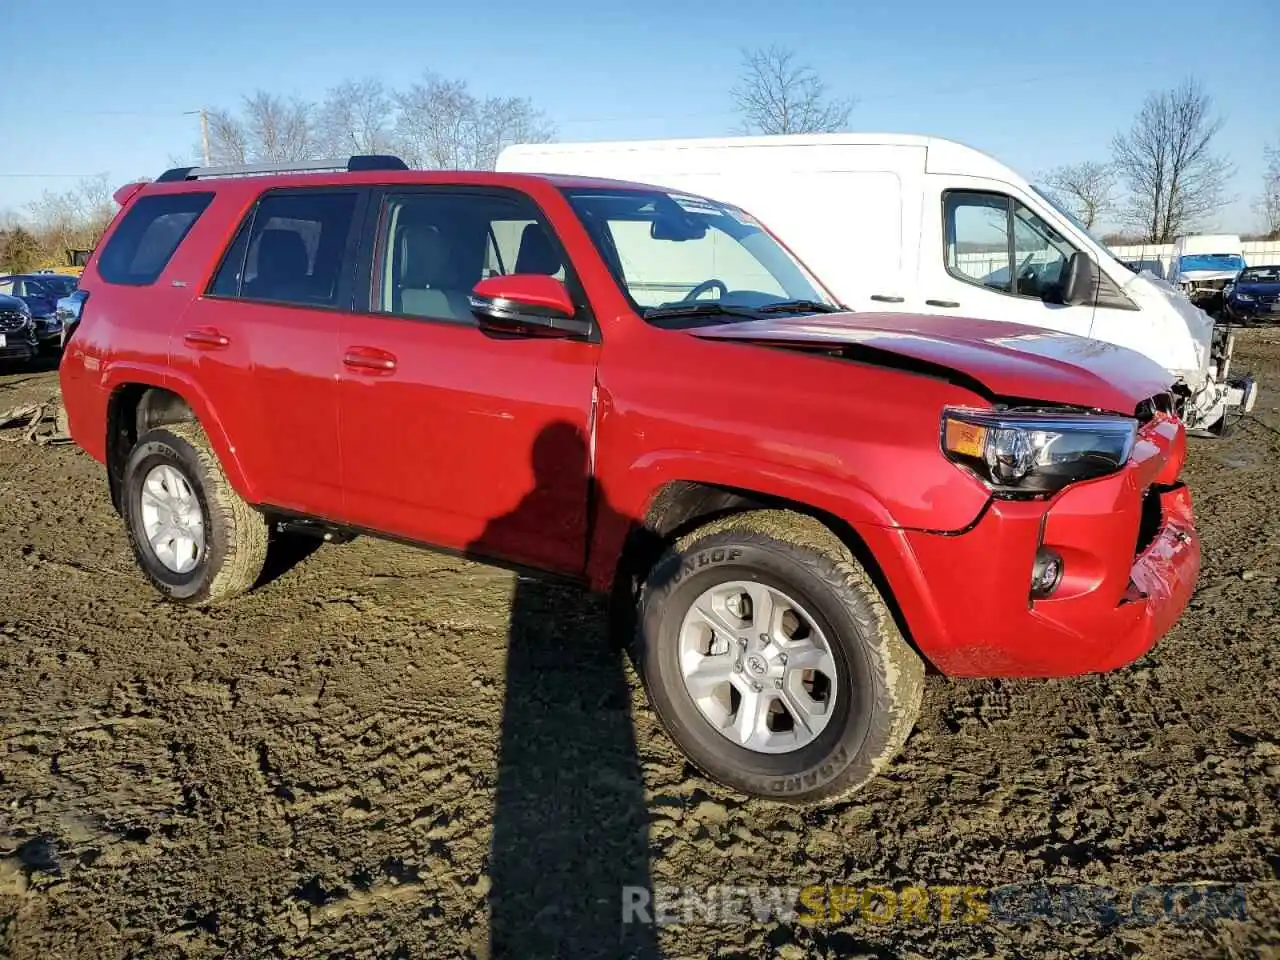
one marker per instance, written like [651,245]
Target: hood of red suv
[1007,360]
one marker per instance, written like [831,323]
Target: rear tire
[223,541]
[872,696]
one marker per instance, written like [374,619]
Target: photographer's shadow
[570,826]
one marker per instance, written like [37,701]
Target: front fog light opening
[1046,573]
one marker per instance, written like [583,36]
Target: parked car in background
[1254,296]
[41,292]
[913,224]
[645,392]
[17,331]
[1203,265]
[68,314]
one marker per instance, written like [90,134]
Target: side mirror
[1079,280]
[527,304]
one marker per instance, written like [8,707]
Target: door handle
[369,360]
[206,338]
[942,303]
[885,298]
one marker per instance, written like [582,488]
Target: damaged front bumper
[1205,411]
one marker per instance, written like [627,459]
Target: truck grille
[11,320]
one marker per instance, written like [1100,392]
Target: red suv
[644,391]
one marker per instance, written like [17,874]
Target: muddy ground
[347,763]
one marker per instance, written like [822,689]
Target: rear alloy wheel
[193,536]
[772,660]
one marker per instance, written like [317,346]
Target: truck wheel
[772,660]
[193,536]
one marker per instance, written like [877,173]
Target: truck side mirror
[1079,280]
[527,304]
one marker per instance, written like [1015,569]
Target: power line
[72,176]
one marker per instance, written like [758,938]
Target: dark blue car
[41,292]
[1254,296]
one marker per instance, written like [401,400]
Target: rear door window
[145,241]
[294,249]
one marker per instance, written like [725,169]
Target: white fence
[1257,253]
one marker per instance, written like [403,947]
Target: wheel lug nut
[737,666]
[764,638]
[778,684]
[782,658]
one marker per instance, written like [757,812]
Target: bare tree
[775,94]
[441,125]
[228,138]
[19,251]
[1174,178]
[279,130]
[1269,202]
[73,220]
[1086,189]
[355,117]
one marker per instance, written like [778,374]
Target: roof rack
[359,163]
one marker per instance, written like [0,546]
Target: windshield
[677,254]
[58,286]
[1261,275]
[1211,261]
[1047,197]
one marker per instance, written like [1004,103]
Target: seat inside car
[281,268]
[537,255]
[429,282]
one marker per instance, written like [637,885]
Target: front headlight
[1242,297]
[1036,453]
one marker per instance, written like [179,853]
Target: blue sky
[88,87]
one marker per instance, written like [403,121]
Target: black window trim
[371,239]
[208,195]
[350,266]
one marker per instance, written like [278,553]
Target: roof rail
[360,163]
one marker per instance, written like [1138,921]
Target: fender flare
[121,375]
[624,507]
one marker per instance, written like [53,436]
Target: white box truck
[897,222]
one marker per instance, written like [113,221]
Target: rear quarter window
[145,241]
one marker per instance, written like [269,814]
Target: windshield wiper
[799,306]
[705,308]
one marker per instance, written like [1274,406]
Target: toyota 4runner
[644,391]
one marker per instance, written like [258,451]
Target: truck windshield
[680,257]
[1071,218]
[1211,261]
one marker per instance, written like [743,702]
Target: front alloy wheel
[758,666]
[772,660]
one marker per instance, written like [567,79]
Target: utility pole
[204,130]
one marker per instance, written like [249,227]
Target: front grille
[11,320]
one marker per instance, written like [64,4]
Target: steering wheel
[1025,263]
[703,287]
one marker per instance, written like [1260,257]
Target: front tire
[193,536]
[830,686]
